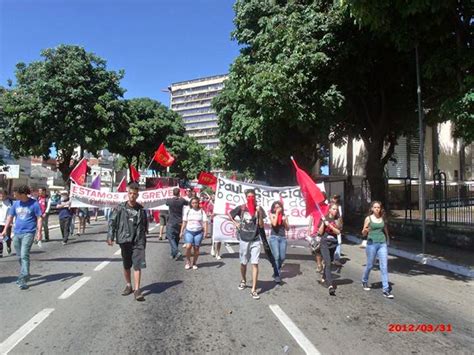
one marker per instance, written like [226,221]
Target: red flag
[162,156]
[78,174]
[134,174]
[207,179]
[311,193]
[324,208]
[122,187]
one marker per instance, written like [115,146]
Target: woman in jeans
[194,229]
[278,242]
[329,228]
[375,227]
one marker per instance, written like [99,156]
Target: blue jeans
[23,243]
[172,234]
[278,247]
[380,251]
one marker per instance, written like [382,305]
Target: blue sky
[156,42]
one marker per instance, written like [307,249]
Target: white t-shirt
[195,219]
[4,207]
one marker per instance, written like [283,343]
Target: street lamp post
[421,161]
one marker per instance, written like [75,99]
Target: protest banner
[230,193]
[86,197]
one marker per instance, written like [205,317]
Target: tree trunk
[64,165]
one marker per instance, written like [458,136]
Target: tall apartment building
[192,100]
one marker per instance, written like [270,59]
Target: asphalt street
[74,305]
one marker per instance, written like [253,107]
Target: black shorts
[133,254]
[163,219]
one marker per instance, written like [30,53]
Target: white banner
[86,197]
[230,194]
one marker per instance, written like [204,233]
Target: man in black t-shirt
[175,219]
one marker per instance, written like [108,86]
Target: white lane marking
[297,334]
[229,249]
[118,252]
[102,265]
[74,288]
[25,329]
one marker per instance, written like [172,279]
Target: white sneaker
[213,252]
[218,257]
[277,279]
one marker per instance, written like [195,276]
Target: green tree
[191,157]
[444,32]
[139,130]
[307,75]
[67,100]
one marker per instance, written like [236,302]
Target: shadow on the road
[75,260]
[266,286]
[7,279]
[378,285]
[218,264]
[300,256]
[412,268]
[340,282]
[37,280]
[159,287]
[289,271]
[36,251]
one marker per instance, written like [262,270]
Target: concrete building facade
[192,100]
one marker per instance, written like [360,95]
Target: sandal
[242,285]
[138,296]
[255,295]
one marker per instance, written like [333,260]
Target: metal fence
[446,203]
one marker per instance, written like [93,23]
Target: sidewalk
[455,260]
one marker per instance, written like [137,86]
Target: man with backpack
[248,228]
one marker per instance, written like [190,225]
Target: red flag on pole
[78,174]
[207,179]
[134,174]
[122,187]
[162,156]
[311,192]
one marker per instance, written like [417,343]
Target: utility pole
[421,161]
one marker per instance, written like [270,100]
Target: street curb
[423,259]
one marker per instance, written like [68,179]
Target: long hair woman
[375,228]
[329,228]
[279,226]
[194,229]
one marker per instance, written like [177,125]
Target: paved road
[202,310]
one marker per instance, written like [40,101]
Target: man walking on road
[175,219]
[127,226]
[248,229]
[45,205]
[28,222]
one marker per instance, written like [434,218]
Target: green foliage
[67,100]
[444,32]
[191,157]
[308,75]
[140,128]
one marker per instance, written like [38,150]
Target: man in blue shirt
[28,222]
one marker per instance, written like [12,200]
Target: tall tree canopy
[66,100]
[140,128]
[444,32]
[306,75]
[191,157]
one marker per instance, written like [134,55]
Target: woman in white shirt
[194,228]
